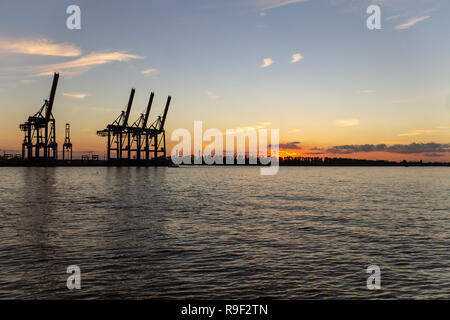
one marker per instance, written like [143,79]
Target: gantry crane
[138,137]
[158,133]
[40,130]
[117,132]
[67,146]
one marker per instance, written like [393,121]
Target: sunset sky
[310,68]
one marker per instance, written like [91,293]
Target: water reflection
[224,232]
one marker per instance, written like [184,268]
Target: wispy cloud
[296,57]
[149,71]
[393,17]
[410,22]
[42,46]
[75,95]
[27,81]
[105,110]
[296,130]
[405,100]
[80,65]
[367,91]
[347,123]
[272,4]
[212,95]
[417,132]
[267,62]
[260,125]
[443,127]
[241,129]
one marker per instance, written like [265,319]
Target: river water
[224,232]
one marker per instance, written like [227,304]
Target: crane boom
[147,113]
[52,97]
[127,114]
[161,126]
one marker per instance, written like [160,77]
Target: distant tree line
[319,161]
[316,161]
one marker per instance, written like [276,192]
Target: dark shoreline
[83,163]
[166,163]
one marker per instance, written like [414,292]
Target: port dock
[128,143]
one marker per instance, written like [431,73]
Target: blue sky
[351,86]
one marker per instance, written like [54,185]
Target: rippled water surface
[216,232]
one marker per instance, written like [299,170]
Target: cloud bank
[411,148]
[291,145]
[288,145]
